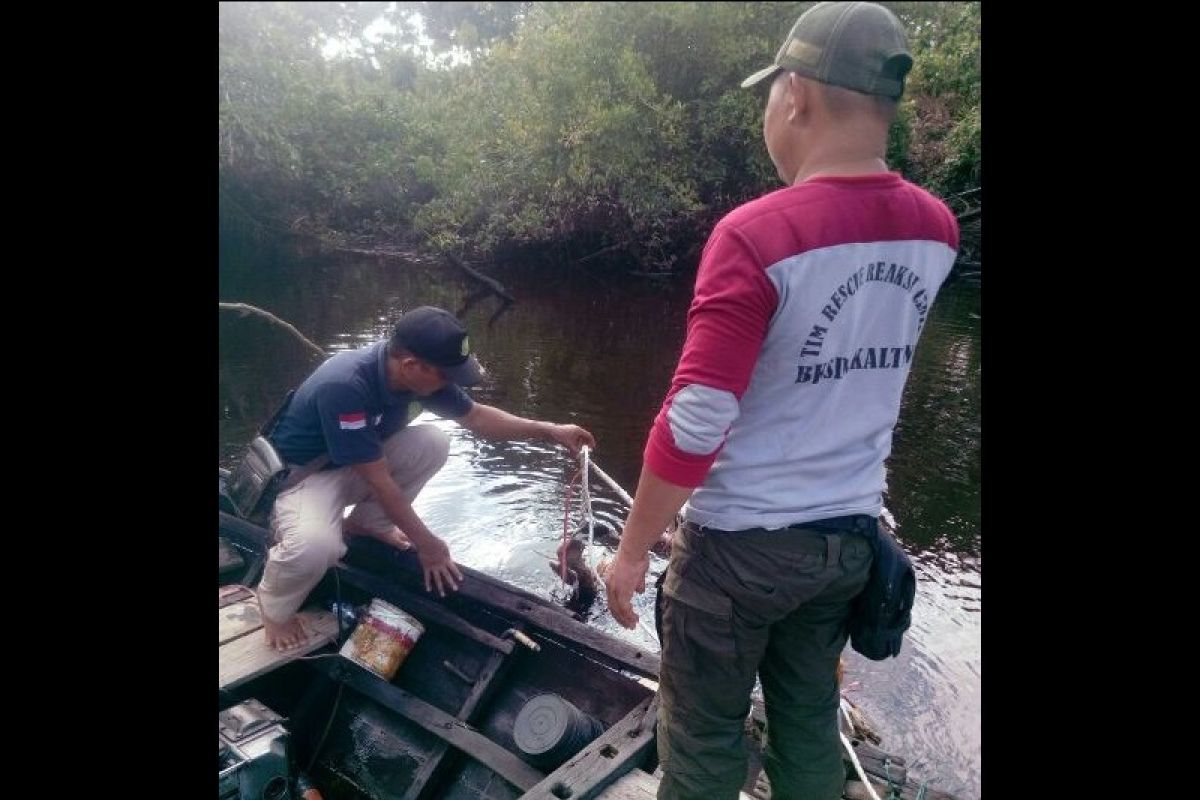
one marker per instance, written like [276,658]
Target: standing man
[807,307]
[355,409]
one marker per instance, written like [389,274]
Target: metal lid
[541,723]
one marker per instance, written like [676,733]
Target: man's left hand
[572,437]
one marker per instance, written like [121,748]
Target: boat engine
[253,754]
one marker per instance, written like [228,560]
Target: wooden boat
[313,723]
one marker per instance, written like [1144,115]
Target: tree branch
[491,283]
[244,308]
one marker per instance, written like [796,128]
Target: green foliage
[471,26]
[941,107]
[582,124]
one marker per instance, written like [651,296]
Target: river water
[600,352]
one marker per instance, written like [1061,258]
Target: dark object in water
[578,574]
[582,578]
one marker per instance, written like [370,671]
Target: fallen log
[491,283]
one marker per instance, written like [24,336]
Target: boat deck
[244,653]
[639,785]
[450,712]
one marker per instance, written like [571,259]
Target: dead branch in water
[245,308]
[601,251]
[491,283]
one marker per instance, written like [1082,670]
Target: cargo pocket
[807,563]
[697,628]
[856,559]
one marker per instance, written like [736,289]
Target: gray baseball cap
[859,46]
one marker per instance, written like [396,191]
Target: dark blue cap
[435,336]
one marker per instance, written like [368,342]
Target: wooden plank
[620,749]
[454,731]
[428,776]
[856,790]
[633,785]
[425,609]
[232,593]
[248,657]
[912,791]
[238,619]
[639,785]
[865,749]
[878,763]
[489,677]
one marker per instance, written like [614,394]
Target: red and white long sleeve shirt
[807,308]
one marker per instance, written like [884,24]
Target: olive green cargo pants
[737,604]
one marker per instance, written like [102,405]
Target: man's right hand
[440,570]
[626,575]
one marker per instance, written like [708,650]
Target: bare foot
[284,636]
[394,537]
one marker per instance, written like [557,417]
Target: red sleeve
[727,323]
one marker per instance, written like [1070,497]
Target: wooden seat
[244,653]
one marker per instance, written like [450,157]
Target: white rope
[858,767]
[844,707]
[587,503]
[585,497]
[616,487]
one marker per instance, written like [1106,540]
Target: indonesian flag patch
[352,421]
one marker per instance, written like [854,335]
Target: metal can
[383,639]
[548,730]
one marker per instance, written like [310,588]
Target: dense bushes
[586,125]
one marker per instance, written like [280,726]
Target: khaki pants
[307,518]
[737,604]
